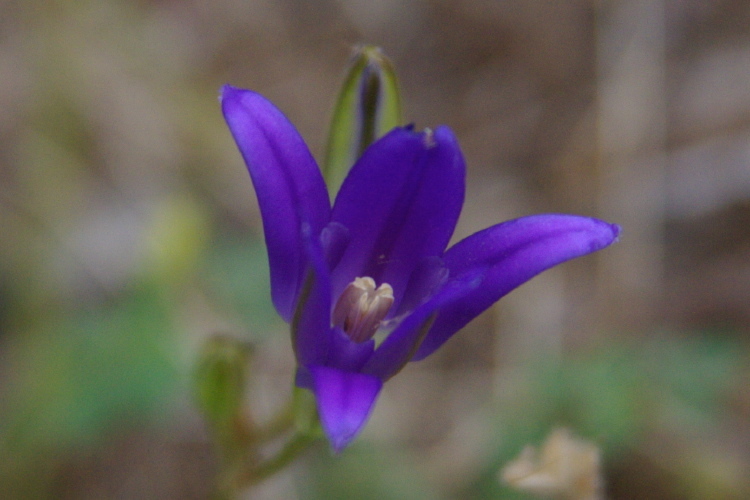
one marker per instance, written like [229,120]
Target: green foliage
[78,377]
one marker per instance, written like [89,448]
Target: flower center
[362,307]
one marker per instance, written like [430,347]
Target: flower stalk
[220,393]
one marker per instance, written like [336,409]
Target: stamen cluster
[361,307]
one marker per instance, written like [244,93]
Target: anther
[362,307]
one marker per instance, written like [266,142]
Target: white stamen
[361,308]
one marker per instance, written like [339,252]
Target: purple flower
[367,284]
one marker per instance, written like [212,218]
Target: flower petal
[426,278]
[400,204]
[345,402]
[311,324]
[514,252]
[399,347]
[288,184]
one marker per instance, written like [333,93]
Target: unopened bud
[368,106]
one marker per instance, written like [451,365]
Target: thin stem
[298,444]
[241,466]
[278,425]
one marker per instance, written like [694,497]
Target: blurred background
[129,233]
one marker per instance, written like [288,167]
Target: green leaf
[368,106]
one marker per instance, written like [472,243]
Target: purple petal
[346,354]
[514,252]
[311,324]
[334,239]
[345,401]
[401,345]
[425,279]
[400,204]
[288,184]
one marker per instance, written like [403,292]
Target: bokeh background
[129,233]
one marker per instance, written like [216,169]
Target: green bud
[220,381]
[368,106]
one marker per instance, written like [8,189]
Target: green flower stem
[238,475]
[278,425]
[241,466]
[291,450]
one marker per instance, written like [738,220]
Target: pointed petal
[400,203]
[345,402]
[334,239]
[401,345]
[429,275]
[311,324]
[348,355]
[288,184]
[514,252]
